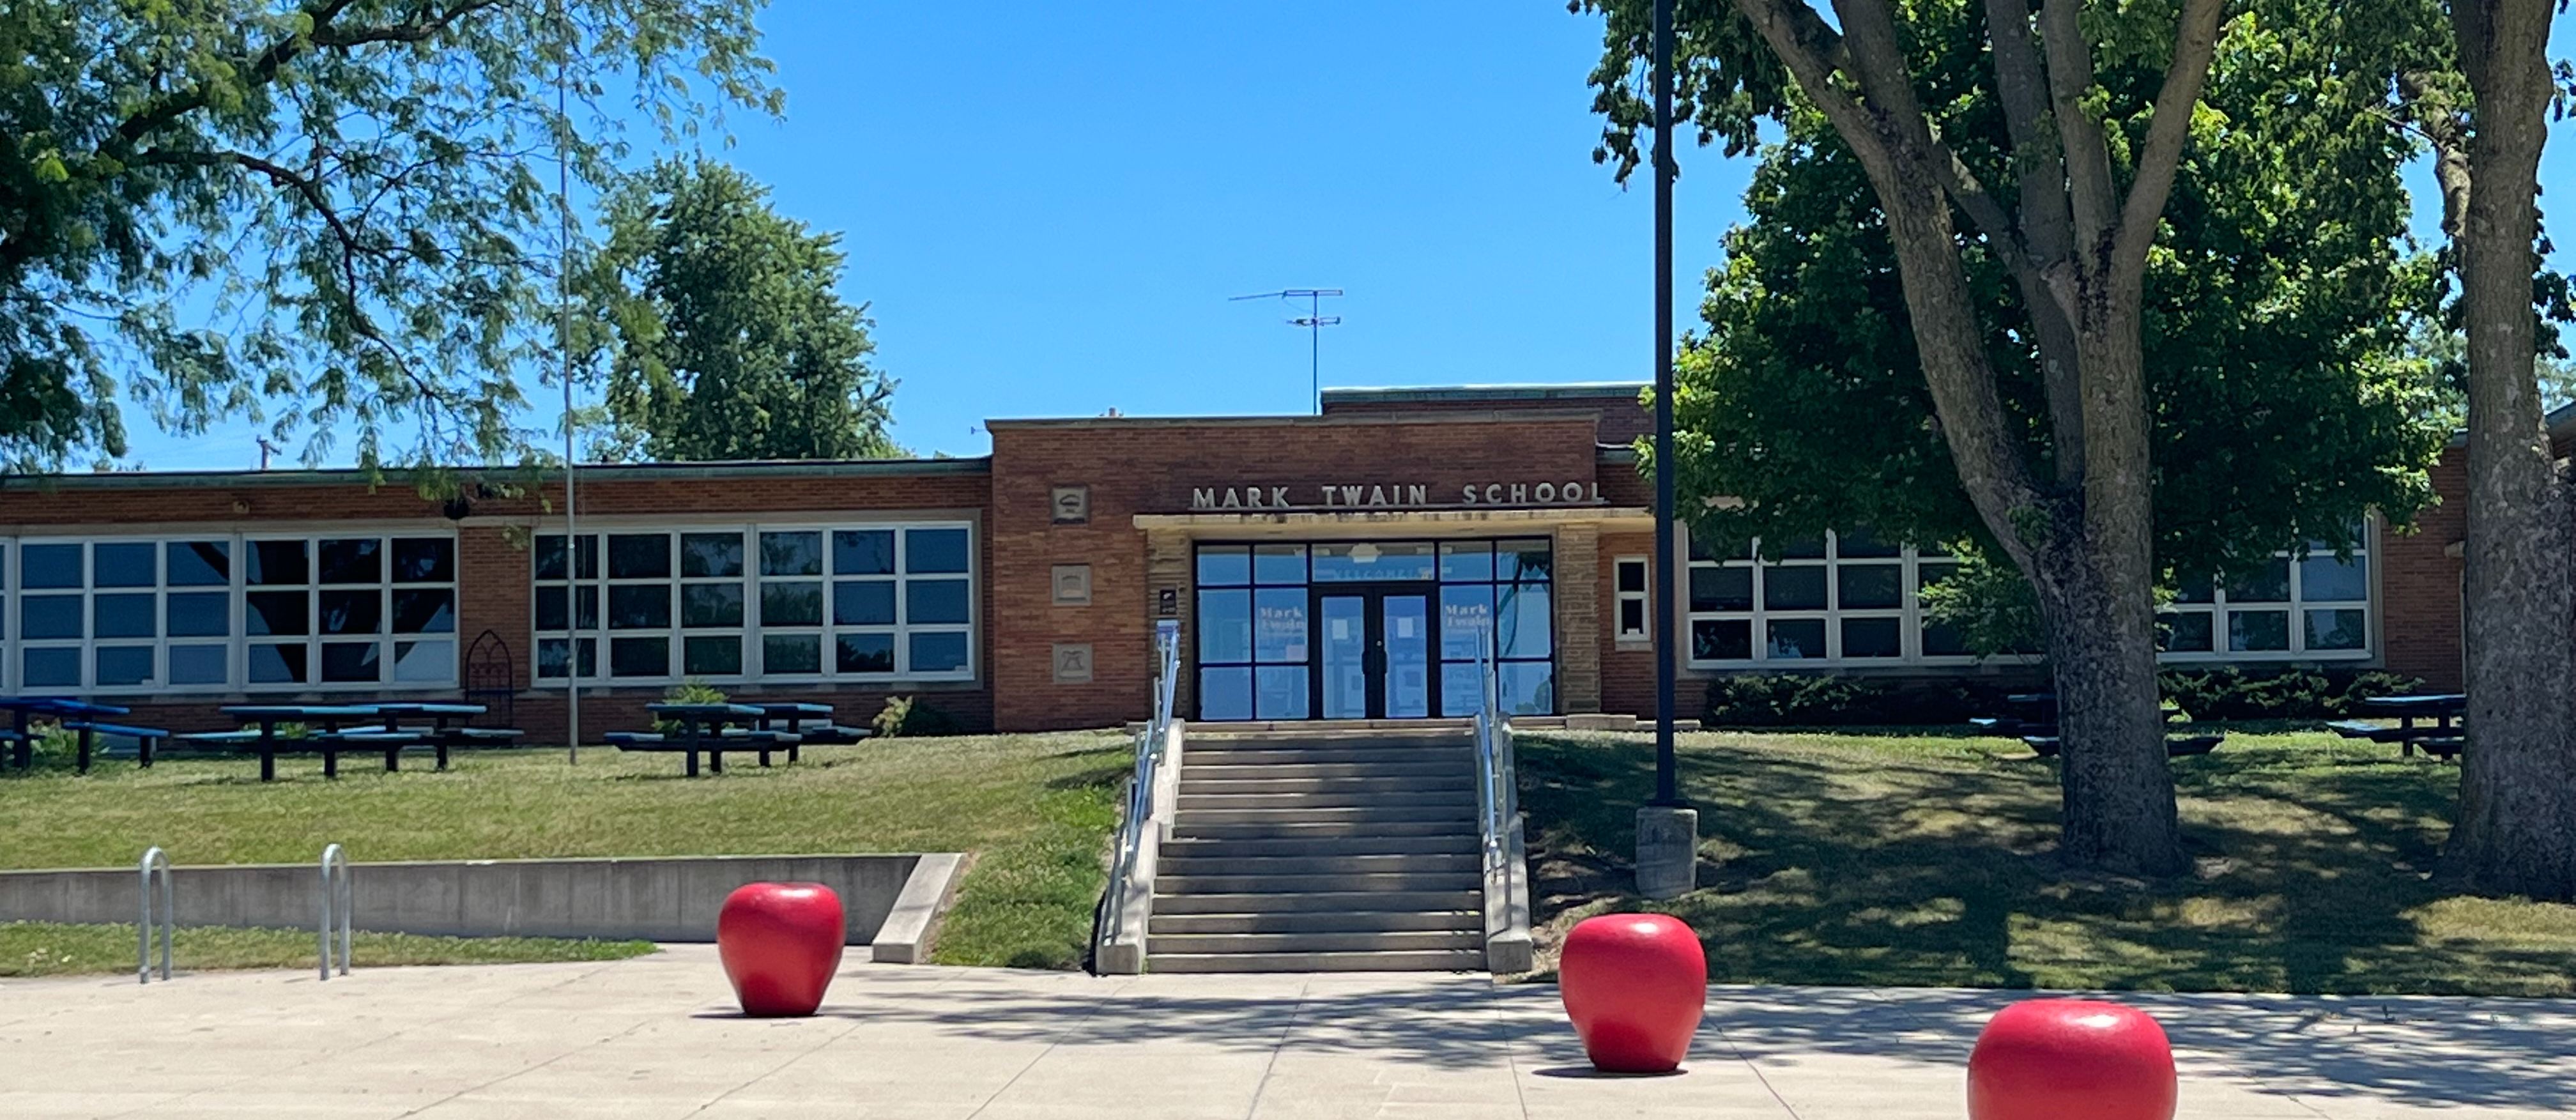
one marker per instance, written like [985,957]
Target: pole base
[1667,851]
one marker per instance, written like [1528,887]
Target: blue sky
[1047,204]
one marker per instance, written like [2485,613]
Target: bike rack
[153,860]
[336,898]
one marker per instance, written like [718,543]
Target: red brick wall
[1622,419]
[2419,584]
[1628,672]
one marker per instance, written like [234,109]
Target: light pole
[1667,828]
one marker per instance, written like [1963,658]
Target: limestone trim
[1578,619]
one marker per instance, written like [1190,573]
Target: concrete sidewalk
[656,1037]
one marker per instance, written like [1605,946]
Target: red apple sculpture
[2054,1059]
[780,943]
[1635,985]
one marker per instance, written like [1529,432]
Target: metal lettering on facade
[1411,495]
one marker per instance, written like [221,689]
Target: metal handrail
[337,897]
[1150,745]
[154,859]
[1491,798]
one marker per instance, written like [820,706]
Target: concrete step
[1463,770]
[1337,903]
[1199,782]
[1408,863]
[1448,843]
[1305,826]
[1421,960]
[1194,755]
[1157,944]
[1189,818]
[1380,798]
[1353,882]
[1358,921]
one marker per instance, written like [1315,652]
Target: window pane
[1721,589]
[1793,639]
[791,604]
[639,556]
[938,653]
[1926,574]
[1523,630]
[2337,629]
[424,560]
[276,612]
[278,562]
[278,664]
[1279,564]
[124,665]
[711,656]
[1523,560]
[2269,583]
[1721,639]
[1225,627]
[585,601]
[198,564]
[1872,637]
[1345,563]
[711,555]
[642,607]
[864,653]
[551,652]
[711,604]
[2258,631]
[2324,579]
[863,552]
[1871,586]
[424,611]
[199,665]
[548,557]
[50,616]
[352,612]
[937,600]
[351,662]
[52,668]
[791,653]
[1225,566]
[1225,694]
[200,614]
[863,603]
[791,554]
[124,564]
[1632,618]
[421,662]
[1940,639]
[1279,624]
[49,565]
[1632,575]
[2195,589]
[1462,691]
[552,609]
[1798,587]
[1859,543]
[1529,688]
[123,616]
[1280,692]
[2183,632]
[1465,611]
[639,657]
[934,550]
[352,561]
[1471,561]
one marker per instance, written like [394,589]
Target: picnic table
[798,717]
[2034,722]
[2443,738]
[79,716]
[440,736]
[260,734]
[711,729]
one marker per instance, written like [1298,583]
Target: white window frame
[2297,606]
[1644,636]
[237,641]
[753,632]
[1908,613]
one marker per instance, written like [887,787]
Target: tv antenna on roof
[1314,320]
[266,449]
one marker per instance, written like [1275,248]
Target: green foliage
[688,692]
[906,717]
[1810,700]
[1988,603]
[2283,403]
[2231,692]
[727,338]
[335,218]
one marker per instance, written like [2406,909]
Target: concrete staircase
[1305,851]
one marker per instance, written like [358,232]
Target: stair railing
[155,863]
[1149,792]
[1498,822]
[337,895]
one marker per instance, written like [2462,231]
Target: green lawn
[1034,811]
[1926,860]
[41,949]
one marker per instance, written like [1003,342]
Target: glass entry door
[1374,653]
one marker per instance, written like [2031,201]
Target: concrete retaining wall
[647,899]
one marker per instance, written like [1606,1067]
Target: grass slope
[1033,810]
[1850,859]
[43,949]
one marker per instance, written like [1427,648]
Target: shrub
[905,717]
[2231,692]
[1808,700]
[688,692]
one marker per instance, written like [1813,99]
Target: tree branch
[2089,187]
[2195,40]
[425,23]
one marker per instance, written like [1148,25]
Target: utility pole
[1667,828]
[1314,320]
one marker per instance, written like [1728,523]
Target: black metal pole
[1667,791]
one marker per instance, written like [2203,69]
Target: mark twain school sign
[1399,496]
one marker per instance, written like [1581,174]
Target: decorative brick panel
[1578,619]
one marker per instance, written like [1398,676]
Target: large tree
[729,337]
[336,216]
[2071,206]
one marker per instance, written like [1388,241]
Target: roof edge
[612,472]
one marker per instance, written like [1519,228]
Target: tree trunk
[2118,791]
[2517,821]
